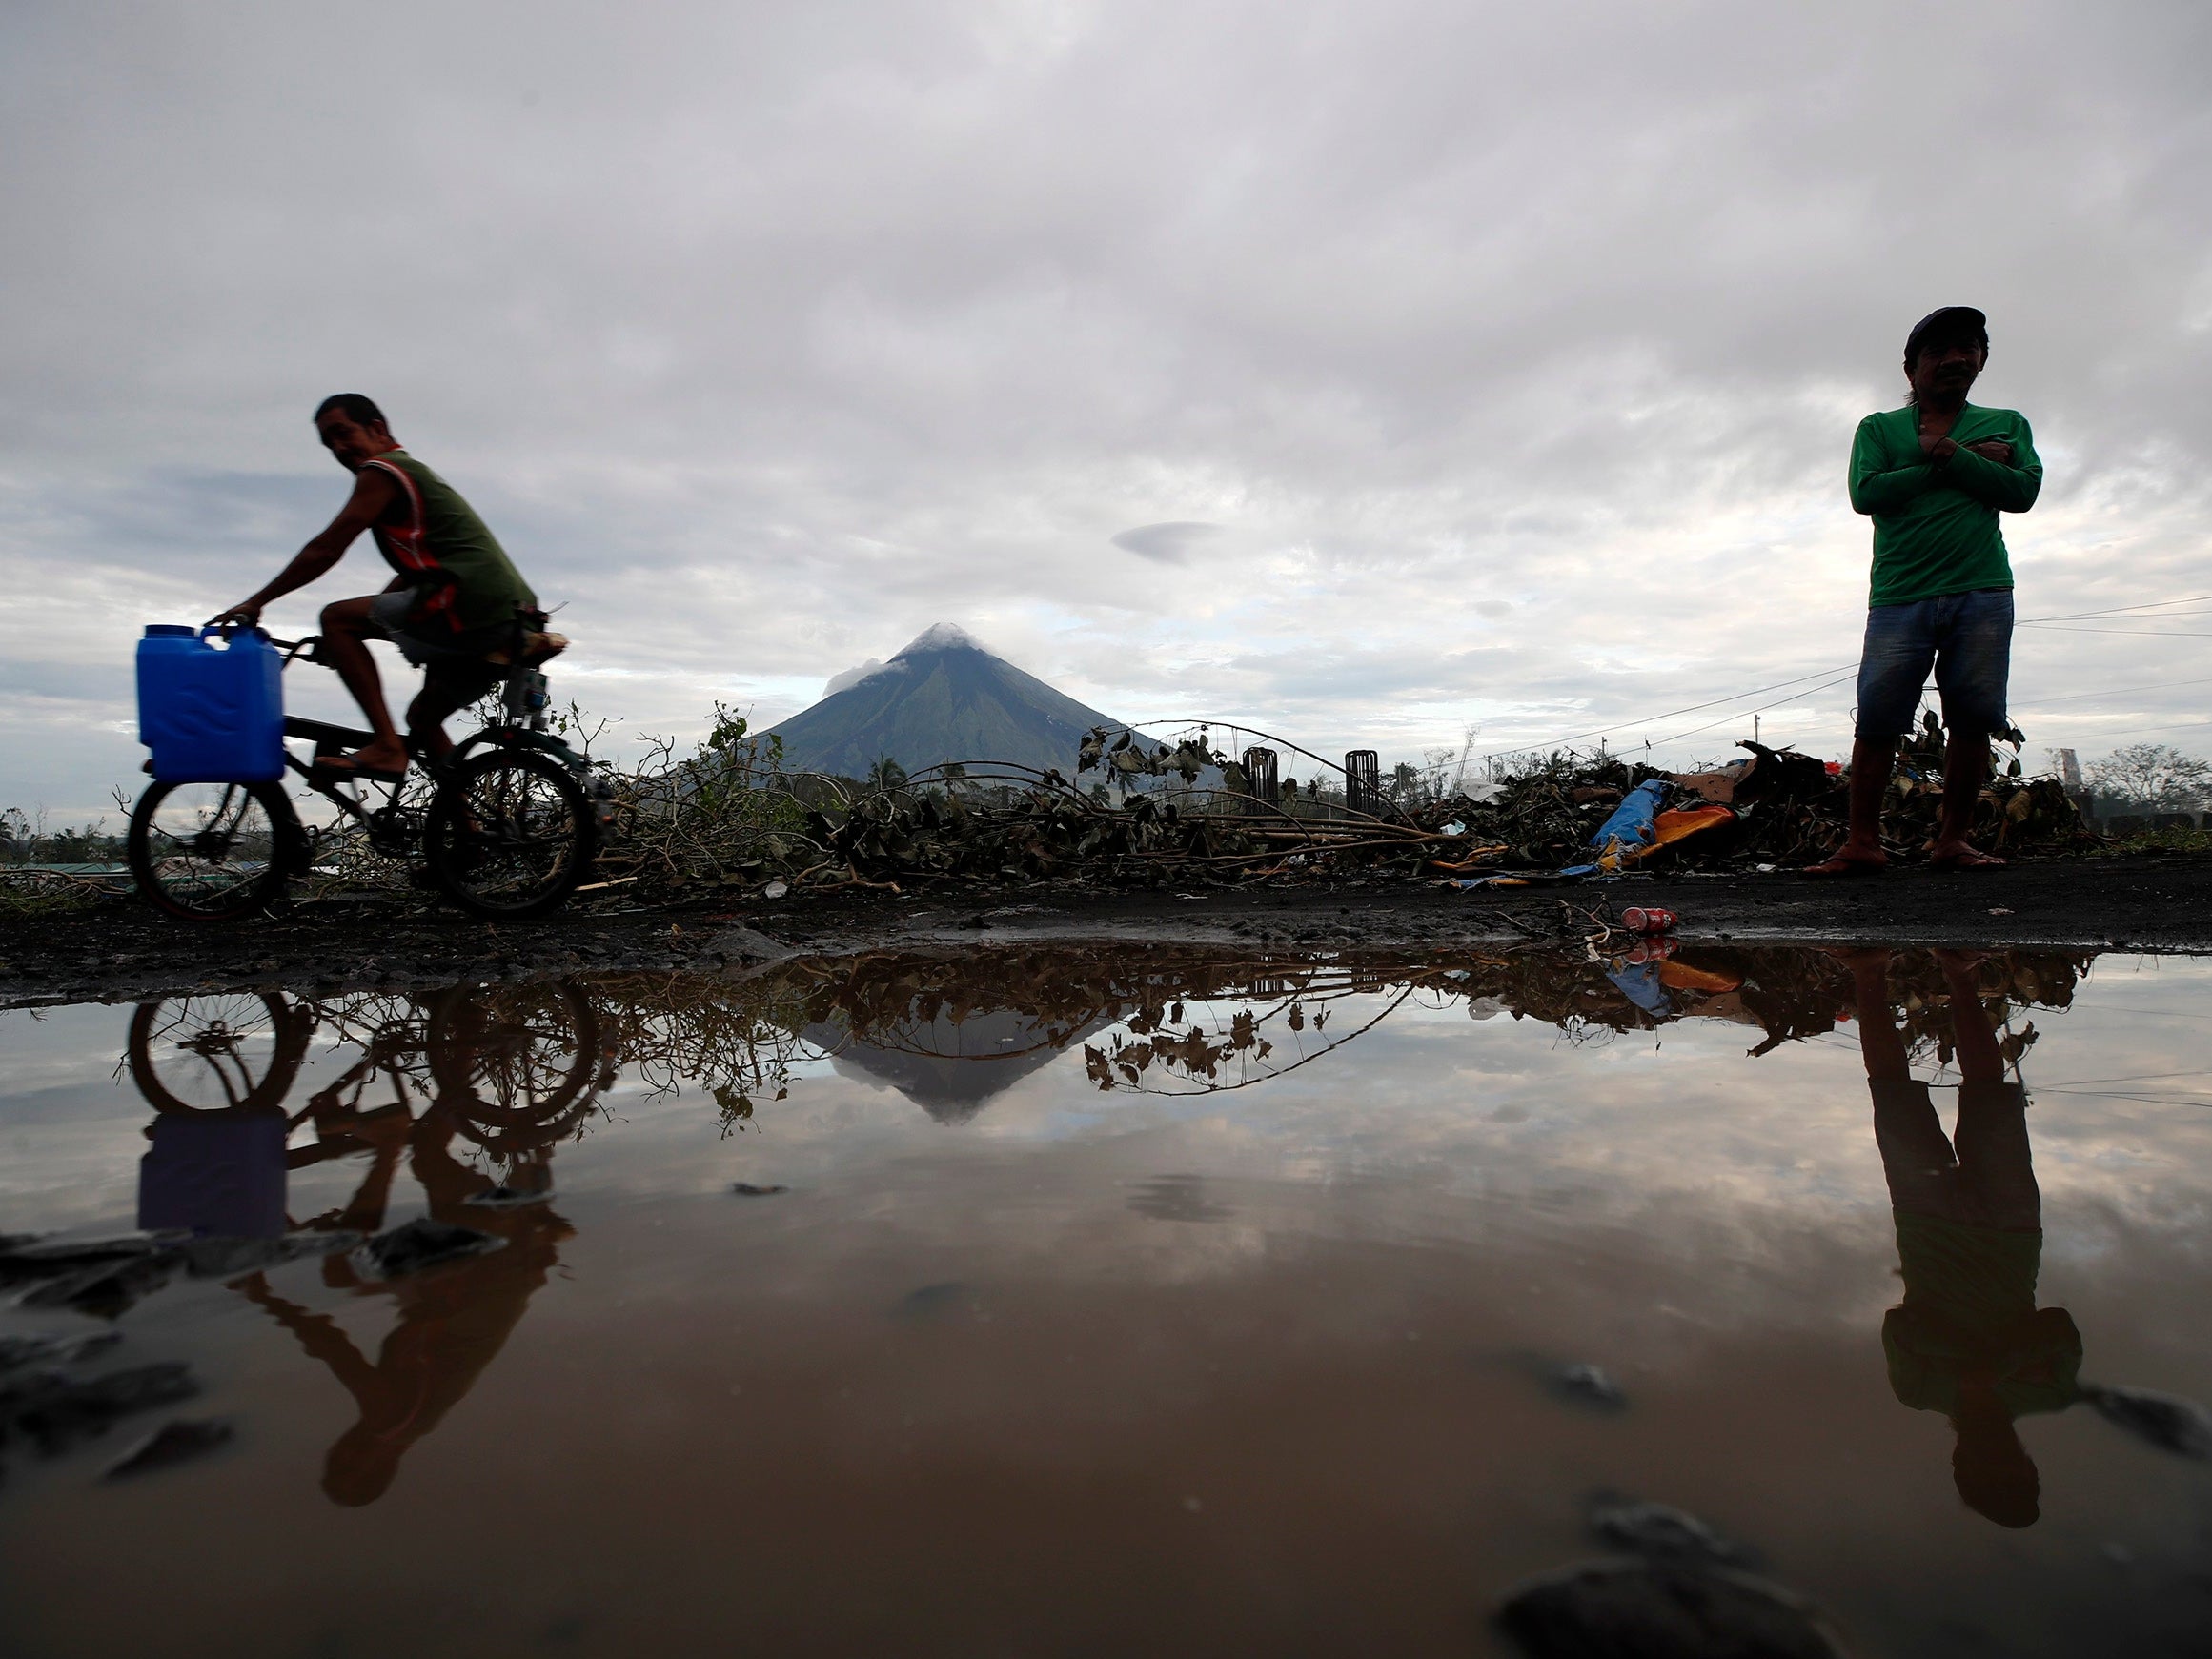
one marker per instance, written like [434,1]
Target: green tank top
[448,552]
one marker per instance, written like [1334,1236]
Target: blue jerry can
[211,714]
[215,1174]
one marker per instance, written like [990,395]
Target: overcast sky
[1360,373]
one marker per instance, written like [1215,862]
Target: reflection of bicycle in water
[512,1070]
[520,1066]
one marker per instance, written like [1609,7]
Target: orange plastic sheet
[1672,826]
[1682,977]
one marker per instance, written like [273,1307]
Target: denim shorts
[1965,638]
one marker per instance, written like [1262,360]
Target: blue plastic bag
[1632,828]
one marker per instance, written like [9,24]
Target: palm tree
[886,773]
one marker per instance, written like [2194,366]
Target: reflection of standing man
[1933,476]
[452,1319]
[1968,1339]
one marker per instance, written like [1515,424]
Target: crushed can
[1648,919]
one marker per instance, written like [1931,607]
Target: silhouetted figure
[1934,477]
[452,1319]
[1968,1339]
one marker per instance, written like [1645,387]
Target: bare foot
[377,760]
[1849,861]
[1960,856]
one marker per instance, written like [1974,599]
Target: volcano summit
[944,697]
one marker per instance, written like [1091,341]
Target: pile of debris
[1560,818]
[1139,812]
[1777,809]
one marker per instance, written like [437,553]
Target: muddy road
[123,951]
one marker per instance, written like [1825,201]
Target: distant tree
[886,773]
[2154,776]
[1405,784]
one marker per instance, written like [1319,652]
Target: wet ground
[123,949]
[1105,1298]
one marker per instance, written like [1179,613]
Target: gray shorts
[389,613]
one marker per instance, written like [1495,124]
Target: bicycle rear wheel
[510,834]
[521,1065]
[213,852]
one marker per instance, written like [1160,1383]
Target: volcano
[944,697]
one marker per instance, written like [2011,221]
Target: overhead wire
[2123,633]
[1691,709]
[1851,670]
[2119,691]
[1738,713]
[2119,610]
[1836,673]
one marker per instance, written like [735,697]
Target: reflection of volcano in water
[948,1068]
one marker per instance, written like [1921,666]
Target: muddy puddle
[1110,1301]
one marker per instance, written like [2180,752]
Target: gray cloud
[766,336]
[1171,543]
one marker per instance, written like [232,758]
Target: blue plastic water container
[210,712]
[216,1174]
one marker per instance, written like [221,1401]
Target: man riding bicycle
[456,608]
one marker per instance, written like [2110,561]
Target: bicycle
[511,824]
[517,1068]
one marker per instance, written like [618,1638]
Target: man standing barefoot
[1933,476]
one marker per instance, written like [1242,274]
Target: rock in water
[224,1258]
[177,1441]
[1588,1386]
[56,1411]
[2167,1421]
[35,1255]
[108,1289]
[424,1243]
[1639,1610]
[505,1197]
[1661,1533]
[18,1351]
[746,1189]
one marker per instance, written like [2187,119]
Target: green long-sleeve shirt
[1934,522]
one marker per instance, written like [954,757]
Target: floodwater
[1110,1301]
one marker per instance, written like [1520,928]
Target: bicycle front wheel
[510,834]
[213,852]
[232,1053]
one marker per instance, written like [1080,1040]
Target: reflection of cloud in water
[1178,1198]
